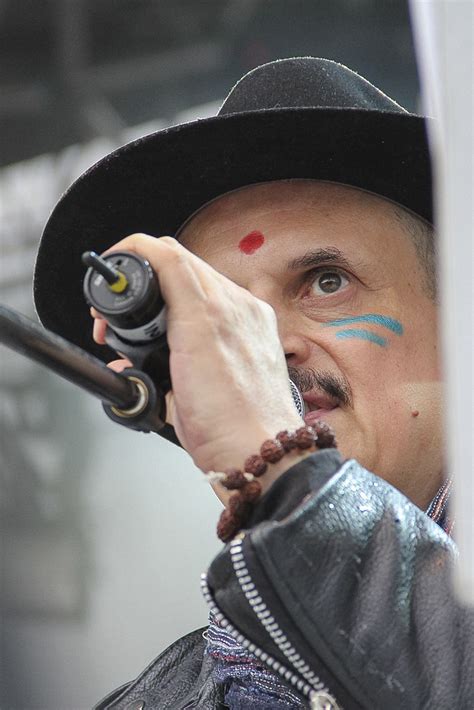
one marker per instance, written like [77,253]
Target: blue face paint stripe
[363,334]
[394,325]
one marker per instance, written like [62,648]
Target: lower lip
[312,417]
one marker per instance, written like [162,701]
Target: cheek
[379,348]
[367,362]
[372,430]
[397,405]
[395,387]
[381,374]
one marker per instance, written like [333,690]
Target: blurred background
[104,532]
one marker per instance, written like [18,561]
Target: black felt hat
[293,118]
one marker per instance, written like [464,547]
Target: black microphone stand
[129,398]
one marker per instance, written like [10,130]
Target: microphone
[125,290]
[297,398]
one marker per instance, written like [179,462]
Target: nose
[296,348]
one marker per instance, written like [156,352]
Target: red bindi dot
[250,243]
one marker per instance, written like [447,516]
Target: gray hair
[423,237]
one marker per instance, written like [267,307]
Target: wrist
[234,447]
[272,474]
[245,485]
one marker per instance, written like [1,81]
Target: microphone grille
[297,398]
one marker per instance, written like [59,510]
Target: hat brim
[153,184]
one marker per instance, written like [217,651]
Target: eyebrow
[315,257]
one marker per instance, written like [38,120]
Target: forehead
[289,205]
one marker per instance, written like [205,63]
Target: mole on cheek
[251,242]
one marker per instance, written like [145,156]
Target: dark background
[71,70]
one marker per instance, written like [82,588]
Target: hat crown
[305,82]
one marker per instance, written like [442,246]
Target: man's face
[354,319]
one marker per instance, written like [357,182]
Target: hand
[228,369]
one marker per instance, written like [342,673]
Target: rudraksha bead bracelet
[244,482]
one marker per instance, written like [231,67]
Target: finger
[95,313]
[182,274]
[170,408]
[167,254]
[98,331]
[119,365]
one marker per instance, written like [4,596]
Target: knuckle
[149,247]
[137,238]
[133,242]
[169,241]
[170,250]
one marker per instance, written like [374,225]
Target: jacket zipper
[298,673]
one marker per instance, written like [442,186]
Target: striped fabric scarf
[247,682]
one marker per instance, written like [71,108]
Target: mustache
[335,386]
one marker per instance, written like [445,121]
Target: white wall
[148,521]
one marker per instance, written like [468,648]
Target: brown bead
[239,508]
[251,492]
[256,465]
[326,437]
[272,451]
[305,437]
[234,479]
[227,526]
[286,439]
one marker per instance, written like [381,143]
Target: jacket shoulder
[160,685]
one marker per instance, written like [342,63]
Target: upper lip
[316,399]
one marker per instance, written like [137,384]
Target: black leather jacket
[340,585]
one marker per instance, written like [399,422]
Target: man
[303,246]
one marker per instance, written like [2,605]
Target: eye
[327,282]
